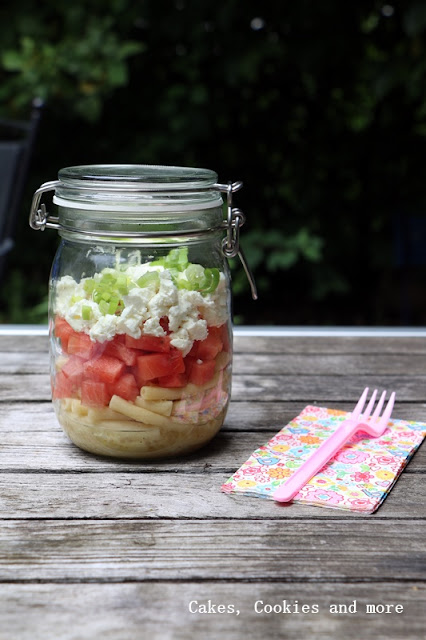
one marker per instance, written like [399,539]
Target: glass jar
[140,307]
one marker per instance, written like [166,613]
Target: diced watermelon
[209,348]
[62,387]
[104,369]
[200,371]
[164,324]
[63,330]
[73,369]
[80,344]
[126,387]
[194,349]
[95,394]
[117,349]
[224,334]
[156,344]
[140,381]
[156,365]
[189,362]
[173,381]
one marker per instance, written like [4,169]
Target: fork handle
[316,461]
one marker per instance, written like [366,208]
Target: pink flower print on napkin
[361,476]
[324,495]
[351,456]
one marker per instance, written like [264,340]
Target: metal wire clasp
[234,220]
[39,218]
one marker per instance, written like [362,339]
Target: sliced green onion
[182,257]
[182,283]
[122,284]
[86,312]
[195,274]
[177,258]
[113,304]
[108,278]
[89,285]
[160,262]
[103,307]
[150,278]
[212,277]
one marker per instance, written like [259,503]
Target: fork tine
[379,407]
[356,412]
[387,412]
[370,406]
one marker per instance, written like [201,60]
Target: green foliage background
[319,107]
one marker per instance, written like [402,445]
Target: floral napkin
[358,478]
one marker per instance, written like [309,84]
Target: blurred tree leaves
[73,59]
[320,108]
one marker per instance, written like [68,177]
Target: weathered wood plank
[320,550]
[335,344]
[241,416]
[25,343]
[161,611]
[324,364]
[15,363]
[53,451]
[21,363]
[319,389]
[156,495]
[316,388]
[28,416]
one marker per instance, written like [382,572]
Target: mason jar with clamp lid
[140,306]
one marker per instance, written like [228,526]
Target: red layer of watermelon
[200,371]
[104,369]
[95,393]
[120,366]
[157,365]
[209,348]
[157,344]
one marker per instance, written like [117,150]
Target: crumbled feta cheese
[130,322]
[180,340]
[197,329]
[75,315]
[153,327]
[138,299]
[189,313]
[104,329]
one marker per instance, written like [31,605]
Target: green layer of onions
[109,290]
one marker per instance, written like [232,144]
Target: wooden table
[97,548]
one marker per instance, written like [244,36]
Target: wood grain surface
[92,547]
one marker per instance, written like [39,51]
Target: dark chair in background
[16,145]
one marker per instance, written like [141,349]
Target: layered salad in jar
[142,357]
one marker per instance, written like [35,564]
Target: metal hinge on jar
[231,243]
[39,218]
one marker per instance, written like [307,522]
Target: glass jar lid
[137,188]
[142,177]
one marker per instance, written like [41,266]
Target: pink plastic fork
[374,426]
